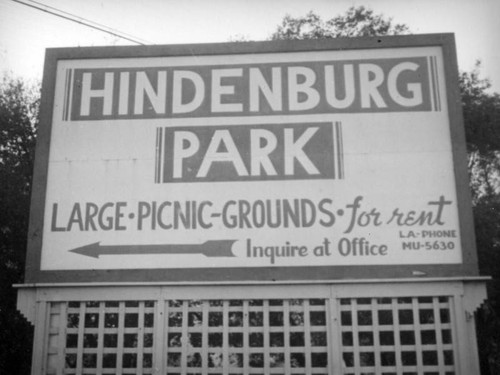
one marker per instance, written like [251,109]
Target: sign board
[251,161]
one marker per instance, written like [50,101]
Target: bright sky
[26,32]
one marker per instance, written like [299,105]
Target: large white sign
[321,158]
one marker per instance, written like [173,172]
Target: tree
[487,226]
[18,122]
[356,22]
[482,127]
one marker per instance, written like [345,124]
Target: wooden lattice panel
[247,337]
[103,337]
[315,336]
[397,336]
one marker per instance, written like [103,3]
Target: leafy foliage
[482,127]
[357,21]
[487,225]
[18,122]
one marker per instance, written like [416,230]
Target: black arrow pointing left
[216,248]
